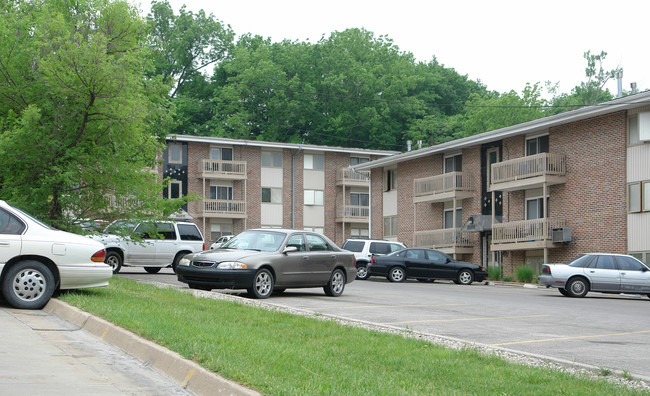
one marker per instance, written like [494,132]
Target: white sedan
[36,260]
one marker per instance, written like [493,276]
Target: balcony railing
[223,208]
[444,238]
[550,165]
[347,176]
[222,169]
[353,214]
[443,187]
[536,233]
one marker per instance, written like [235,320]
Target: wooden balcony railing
[349,177]
[444,238]
[443,186]
[537,230]
[223,208]
[543,164]
[353,213]
[222,169]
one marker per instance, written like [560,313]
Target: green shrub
[507,279]
[524,274]
[494,273]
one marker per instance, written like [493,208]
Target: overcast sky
[503,43]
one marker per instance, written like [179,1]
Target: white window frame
[634,200]
[539,201]
[359,160]
[275,195]
[390,226]
[216,192]
[450,156]
[459,217]
[314,197]
[180,189]
[390,180]
[312,163]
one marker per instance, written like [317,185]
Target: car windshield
[260,240]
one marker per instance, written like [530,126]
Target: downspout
[293,188]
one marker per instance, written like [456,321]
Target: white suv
[163,244]
[363,249]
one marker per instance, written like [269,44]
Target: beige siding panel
[271,214]
[638,231]
[313,180]
[272,177]
[314,216]
[638,163]
[390,203]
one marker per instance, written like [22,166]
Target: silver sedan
[607,273]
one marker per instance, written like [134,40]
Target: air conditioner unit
[562,234]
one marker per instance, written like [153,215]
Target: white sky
[504,43]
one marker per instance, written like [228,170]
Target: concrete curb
[185,372]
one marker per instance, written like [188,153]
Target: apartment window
[313,197]
[390,226]
[314,161]
[175,189]
[359,199]
[358,160]
[633,130]
[453,164]
[221,192]
[221,153]
[390,180]
[318,230]
[449,218]
[175,153]
[645,195]
[272,159]
[271,195]
[634,197]
[359,233]
[536,145]
[535,208]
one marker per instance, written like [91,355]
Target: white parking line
[466,319]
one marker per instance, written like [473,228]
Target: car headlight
[184,262]
[231,265]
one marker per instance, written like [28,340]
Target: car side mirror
[289,249]
[447,260]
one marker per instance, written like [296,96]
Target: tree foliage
[80,125]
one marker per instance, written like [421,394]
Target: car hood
[219,255]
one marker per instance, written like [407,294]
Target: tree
[80,124]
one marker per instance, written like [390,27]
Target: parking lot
[607,331]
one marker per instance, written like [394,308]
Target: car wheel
[114,260]
[362,272]
[262,286]
[199,287]
[335,286]
[563,292]
[279,290]
[28,285]
[178,258]
[465,277]
[152,270]
[577,287]
[396,274]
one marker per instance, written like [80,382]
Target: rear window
[354,246]
[189,232]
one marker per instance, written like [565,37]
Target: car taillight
[203,245]
[546,270]
[99,256]
[372,260]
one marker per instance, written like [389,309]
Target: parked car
[264,261]
[36,260]
[160,244]
[363,250]
[425,265]
[600,272]
[220,241]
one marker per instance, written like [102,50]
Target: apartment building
[243,184]
[543,191]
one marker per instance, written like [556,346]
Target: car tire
[362,272]
[577,287]
[336,285]
[177,259]
[262,286]
[563,292]
[279,290]
[114,259]
[465,277]
[152,270]
[28,284]
[396,274]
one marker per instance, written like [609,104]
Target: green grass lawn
[282,354]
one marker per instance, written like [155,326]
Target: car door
[416,263]
[166,243]
[603,273]
[321,260]
[635,276]
[11,230]
[292,269]
[440,267]
[143,251]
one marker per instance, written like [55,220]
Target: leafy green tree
[80,124]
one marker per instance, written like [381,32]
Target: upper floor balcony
[223,208]
[217,169]
[443,187]
[349,177]
[525,234]
[528,172]
[352,214]
[448,240]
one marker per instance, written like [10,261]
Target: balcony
[448,240]
[528,172]
[348,177]
[215,169]
[442,188]
[223,208]
[525,234]
[353,214]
